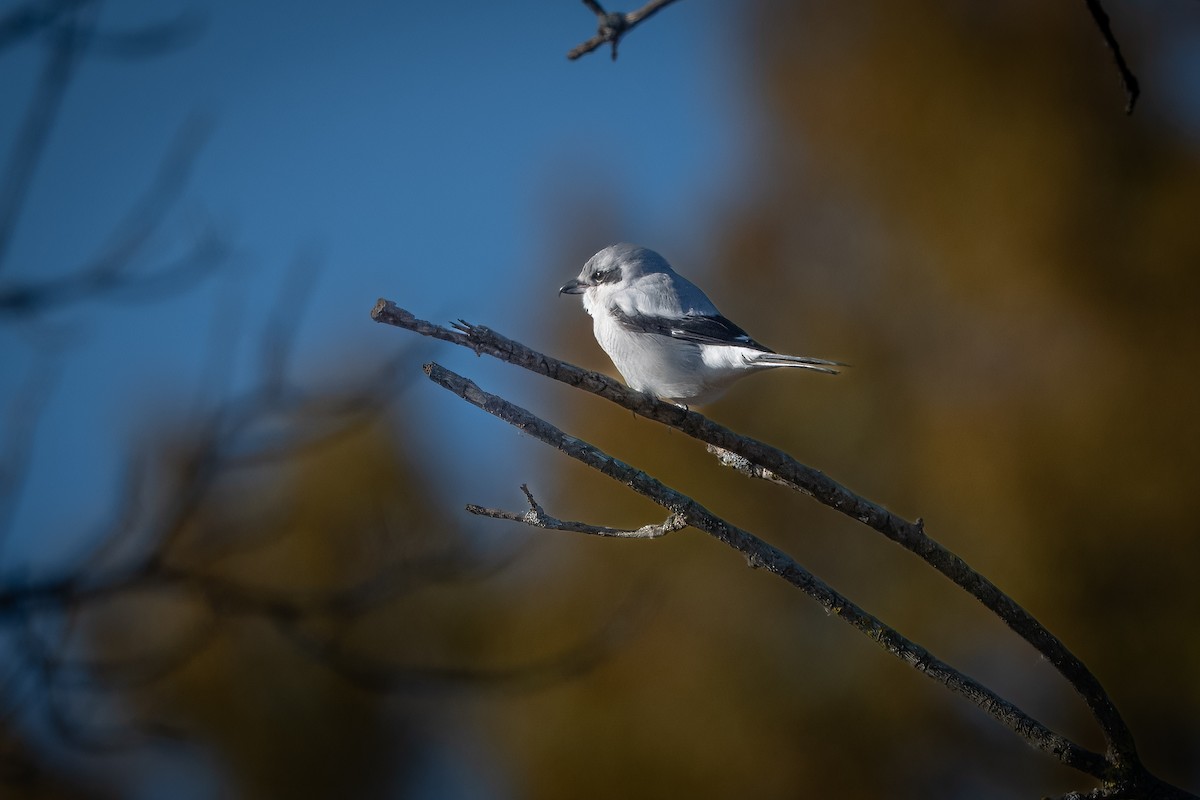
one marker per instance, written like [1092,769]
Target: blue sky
[416,151]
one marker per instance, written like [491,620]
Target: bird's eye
[598,276]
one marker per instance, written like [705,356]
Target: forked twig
[536,517]
[612,27]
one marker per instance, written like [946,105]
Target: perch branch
[749,468]
[1126,768]
[612,27]
[909,535]
[760,554]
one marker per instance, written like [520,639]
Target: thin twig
[537,517]
[612,27]
[1128,79]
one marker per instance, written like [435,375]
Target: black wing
[691,328]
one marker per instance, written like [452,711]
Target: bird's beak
[573,286]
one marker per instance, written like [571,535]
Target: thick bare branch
[910,535]
[1124,773]
[749,468]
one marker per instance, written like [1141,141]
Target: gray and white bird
[663,334]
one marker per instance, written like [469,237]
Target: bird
[663,334]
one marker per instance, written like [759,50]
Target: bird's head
[615,267]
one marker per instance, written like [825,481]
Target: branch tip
[381,305]
[533,504]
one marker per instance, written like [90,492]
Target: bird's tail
[803,362]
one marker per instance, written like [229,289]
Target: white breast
[669,368]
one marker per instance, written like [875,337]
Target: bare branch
[612,27]
[760,554]
[1095,794]
[910,535]
[749,468]
[1121,751]
[537,517]
[1128,80]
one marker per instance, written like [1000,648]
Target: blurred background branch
[114,273]
[270,524]
[219,534]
